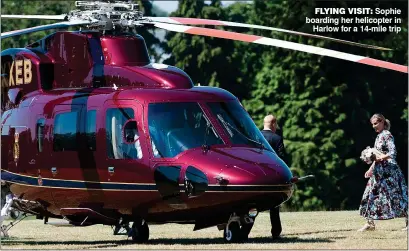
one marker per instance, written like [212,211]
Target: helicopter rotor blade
[59,25]
[42,17]
[280,43]
[199,21]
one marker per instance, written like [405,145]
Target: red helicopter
[94,133]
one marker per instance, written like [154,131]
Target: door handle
[111,169]
[54,170]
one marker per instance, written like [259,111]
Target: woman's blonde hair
[380,117]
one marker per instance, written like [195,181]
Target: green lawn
[301,230]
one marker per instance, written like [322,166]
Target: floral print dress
[386,193]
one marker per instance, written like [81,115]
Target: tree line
[323,105]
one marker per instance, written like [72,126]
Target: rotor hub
[107,15]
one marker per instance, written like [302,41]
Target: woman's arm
[382,157]
[370,170]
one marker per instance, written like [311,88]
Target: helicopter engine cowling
[90,59]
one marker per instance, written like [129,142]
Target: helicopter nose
[273,173]
[240,166]
[277,173]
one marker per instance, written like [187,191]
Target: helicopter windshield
[238,124]
[177,127]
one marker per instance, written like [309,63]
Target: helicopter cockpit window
[65,132]
[177,127]
[238,124]
[118,145]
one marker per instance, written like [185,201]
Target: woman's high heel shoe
[367,227]
[405,228]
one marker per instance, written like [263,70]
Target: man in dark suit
[276,142]
[273,138]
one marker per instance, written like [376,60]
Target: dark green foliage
[207,60]
[30,8]
[323,105]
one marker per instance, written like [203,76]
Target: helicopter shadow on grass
[105,243]
[165,241]
[323,231]
[258,240]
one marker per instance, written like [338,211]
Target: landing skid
[5,211]
[6,228]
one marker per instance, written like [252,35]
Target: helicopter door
[41,151]
[65,135]
[66,153]
[125,149]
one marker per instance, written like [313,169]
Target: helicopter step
[86,217]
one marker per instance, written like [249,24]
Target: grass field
[301,230]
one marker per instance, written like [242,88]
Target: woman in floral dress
[386,193]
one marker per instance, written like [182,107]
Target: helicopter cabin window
[65,132]
[122,134]
[40,134]
[90,130]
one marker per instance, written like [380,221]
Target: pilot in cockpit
[132,146]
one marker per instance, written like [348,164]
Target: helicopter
[93,132]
